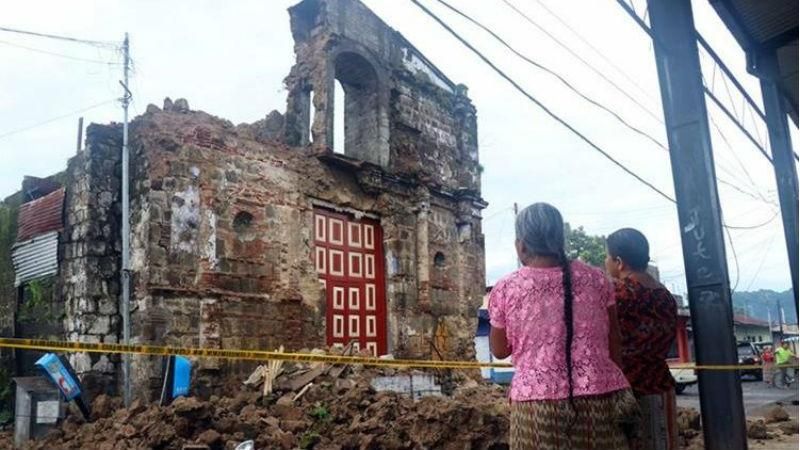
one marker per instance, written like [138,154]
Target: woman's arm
[614,338]
[498,343]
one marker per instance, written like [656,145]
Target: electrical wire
[539,103]
[730,149]
[74,58]
[62,38]
[586,63]
[761,264]
[554,74]
[741,127]
[19,130]
[595,50]
[735,258]
[632,13]
[753,227]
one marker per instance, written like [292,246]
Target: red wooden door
[348,256]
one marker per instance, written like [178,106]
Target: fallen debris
[776,414]
[311,406]
[338,409]
[757,429]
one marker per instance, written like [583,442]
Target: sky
[229,59]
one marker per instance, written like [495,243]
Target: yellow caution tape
[259,355]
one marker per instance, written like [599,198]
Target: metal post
[125,295]
[80,133]
[700,220]
[782,157]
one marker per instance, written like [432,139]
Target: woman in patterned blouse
[648,316]
[557,320]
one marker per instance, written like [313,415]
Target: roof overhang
[763,27]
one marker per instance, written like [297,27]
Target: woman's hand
[498,343]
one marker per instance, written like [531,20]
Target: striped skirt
[597,422]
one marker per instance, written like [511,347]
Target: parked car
[683,377]
[749,355]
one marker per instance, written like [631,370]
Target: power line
[19,130]
[74,58]
[632,13]
[555,74]
[742,191]
[540,104]
[62,38]
[735,258]
[581,59]
[753,227]
[752,183]
[595,49]
[761,264]
[710,50]
[563,122]
[730,148]
[736,122]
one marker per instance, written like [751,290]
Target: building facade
[260,235]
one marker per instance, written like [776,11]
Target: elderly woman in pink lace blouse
[556,318]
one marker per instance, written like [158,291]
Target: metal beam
[782,156]
[700,220]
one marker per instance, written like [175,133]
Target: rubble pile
[288,405]
[329,408]
[775,426]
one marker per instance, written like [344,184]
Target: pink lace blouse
[529,305]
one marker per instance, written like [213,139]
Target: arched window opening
[338,118]
[312,112]
[243,226]
[357,123]
[439,260]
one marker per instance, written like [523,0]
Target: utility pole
[699,215]
[765,66]
[125,298]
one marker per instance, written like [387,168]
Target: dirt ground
[336,411]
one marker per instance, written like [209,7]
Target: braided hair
[540,228]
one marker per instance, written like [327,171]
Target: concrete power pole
[700,219]
[125,296]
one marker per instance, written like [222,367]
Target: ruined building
[260,235]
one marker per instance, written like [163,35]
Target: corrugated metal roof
[765,20]
[35,258]
[40,216]
[747,320]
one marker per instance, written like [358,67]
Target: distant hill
[760,304]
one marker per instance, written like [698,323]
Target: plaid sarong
[596,423]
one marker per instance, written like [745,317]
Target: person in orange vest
[769,361]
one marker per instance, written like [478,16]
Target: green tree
[586,247]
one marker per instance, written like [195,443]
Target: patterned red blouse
[647,322]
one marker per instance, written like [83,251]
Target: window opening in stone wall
[439,260]
[243,226]
[358,109]
[338,118]
[311,114]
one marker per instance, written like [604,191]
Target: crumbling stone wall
[426,124]
[90,247]
[222,216]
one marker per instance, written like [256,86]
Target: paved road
[755,393]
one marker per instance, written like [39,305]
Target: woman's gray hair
[540,228]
